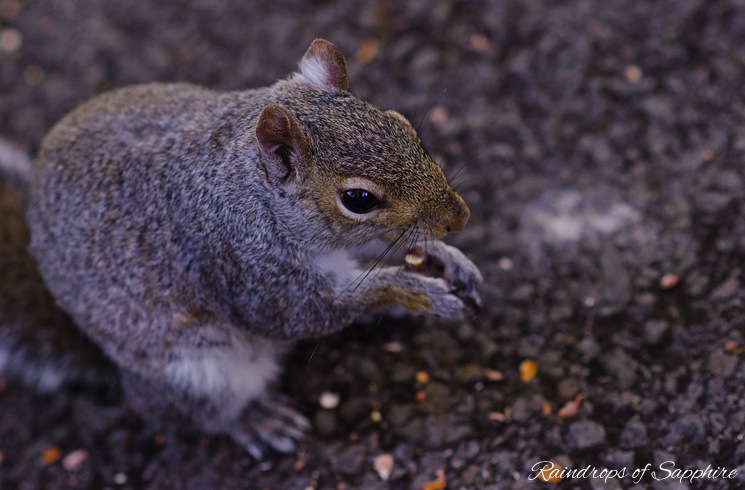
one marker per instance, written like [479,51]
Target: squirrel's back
[128,178]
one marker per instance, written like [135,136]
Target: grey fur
[39,344]
[178,246]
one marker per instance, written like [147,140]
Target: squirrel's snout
[453,217]
[460,213]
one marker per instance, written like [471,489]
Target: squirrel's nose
[459,213]
[453,217]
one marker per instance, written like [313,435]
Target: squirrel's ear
[283,142]
[323,66]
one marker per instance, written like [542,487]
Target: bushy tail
[39,343]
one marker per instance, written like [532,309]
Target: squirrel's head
[361,170]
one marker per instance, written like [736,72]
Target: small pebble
[469,372]
[383,466]
[479,43]
[669,281]
[329,400]
[11,40]
[585,434]
[633,73]
[74,461]
[505,264]
[654,331]
[367,52]
[617,460]
[690,428]
[393,347]
[438,115]
[325,422]
[569,388]
[633,435]
[33,75]
[422,377]
[722,364]
[497,417]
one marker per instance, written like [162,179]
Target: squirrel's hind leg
[221,390]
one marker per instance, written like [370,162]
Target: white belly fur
[230,375]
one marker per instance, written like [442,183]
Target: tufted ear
[283,143]
[324,67]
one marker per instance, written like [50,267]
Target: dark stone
[634,435]
[585,434]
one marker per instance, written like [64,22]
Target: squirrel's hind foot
[269,423]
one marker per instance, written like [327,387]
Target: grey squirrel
[187,236]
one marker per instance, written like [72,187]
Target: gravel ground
[600,146]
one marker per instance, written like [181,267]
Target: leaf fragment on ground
[570,408]
[438,484]
[50,455]
[367,51]
[528,370]
[545,475]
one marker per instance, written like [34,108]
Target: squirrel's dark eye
[359,201]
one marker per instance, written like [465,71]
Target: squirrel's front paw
[445,303]
[458,270]
[421,294]
[269,423]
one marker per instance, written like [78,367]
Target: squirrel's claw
[457,270]
[270,424]
[445,303]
